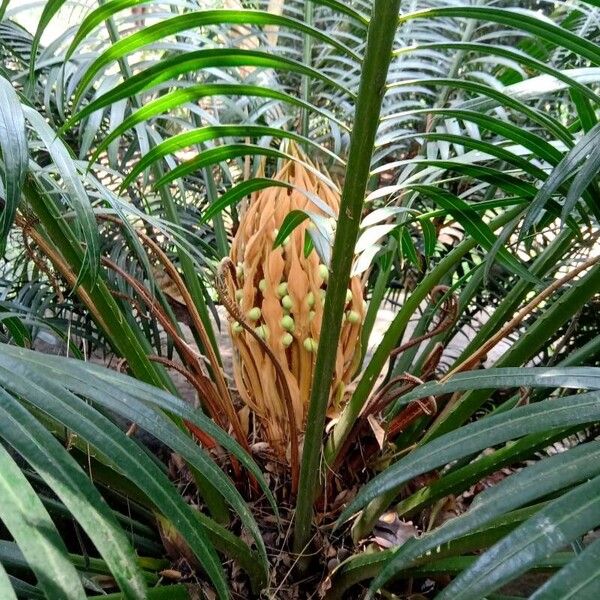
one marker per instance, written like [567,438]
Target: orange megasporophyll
[280,293]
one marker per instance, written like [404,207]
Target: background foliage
[128,145]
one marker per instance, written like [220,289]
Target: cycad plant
[292,171]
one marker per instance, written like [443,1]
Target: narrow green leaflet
[212,156]
[517,56]
[552,528]
[77,194]
[95,382]
[63,406]
[125,455]
[472,438]
[111,8]
[523,20]
[194,93]
[169,68]
[6,589]
[489,149]
[291,221]
[226,152]
[459,479]
[579,580]
[585,178]
[3,8]
[236,193]
[51,7]
[474,225]
[14,152]
[536,144]
[343,8]
[501,98]
[24,515]
[211,132]
[565,169]
[528,485]
[507,377]
[147,35]
[98,16]
[61,473]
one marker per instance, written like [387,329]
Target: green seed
[282,289]
[324,273]
[236,327]
[310,299]
[287,323]
[310,345]
[254,314]
[262,331]
[353,317]
[239,294]
[348,296]
[239,270]
[262,285]
[287,339]
[286,302]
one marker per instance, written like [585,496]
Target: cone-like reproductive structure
[281,293]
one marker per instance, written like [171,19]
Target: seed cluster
[281,293]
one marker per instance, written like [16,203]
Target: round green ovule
[236,327]
[239,294]
[353,317]
[262,331]
[239,270]
[287,323]
[286,302]
[254,314]
[287,339]
[310,345]
[310,299]
[262,285]
[282,289]
[348,296]
[324,273]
